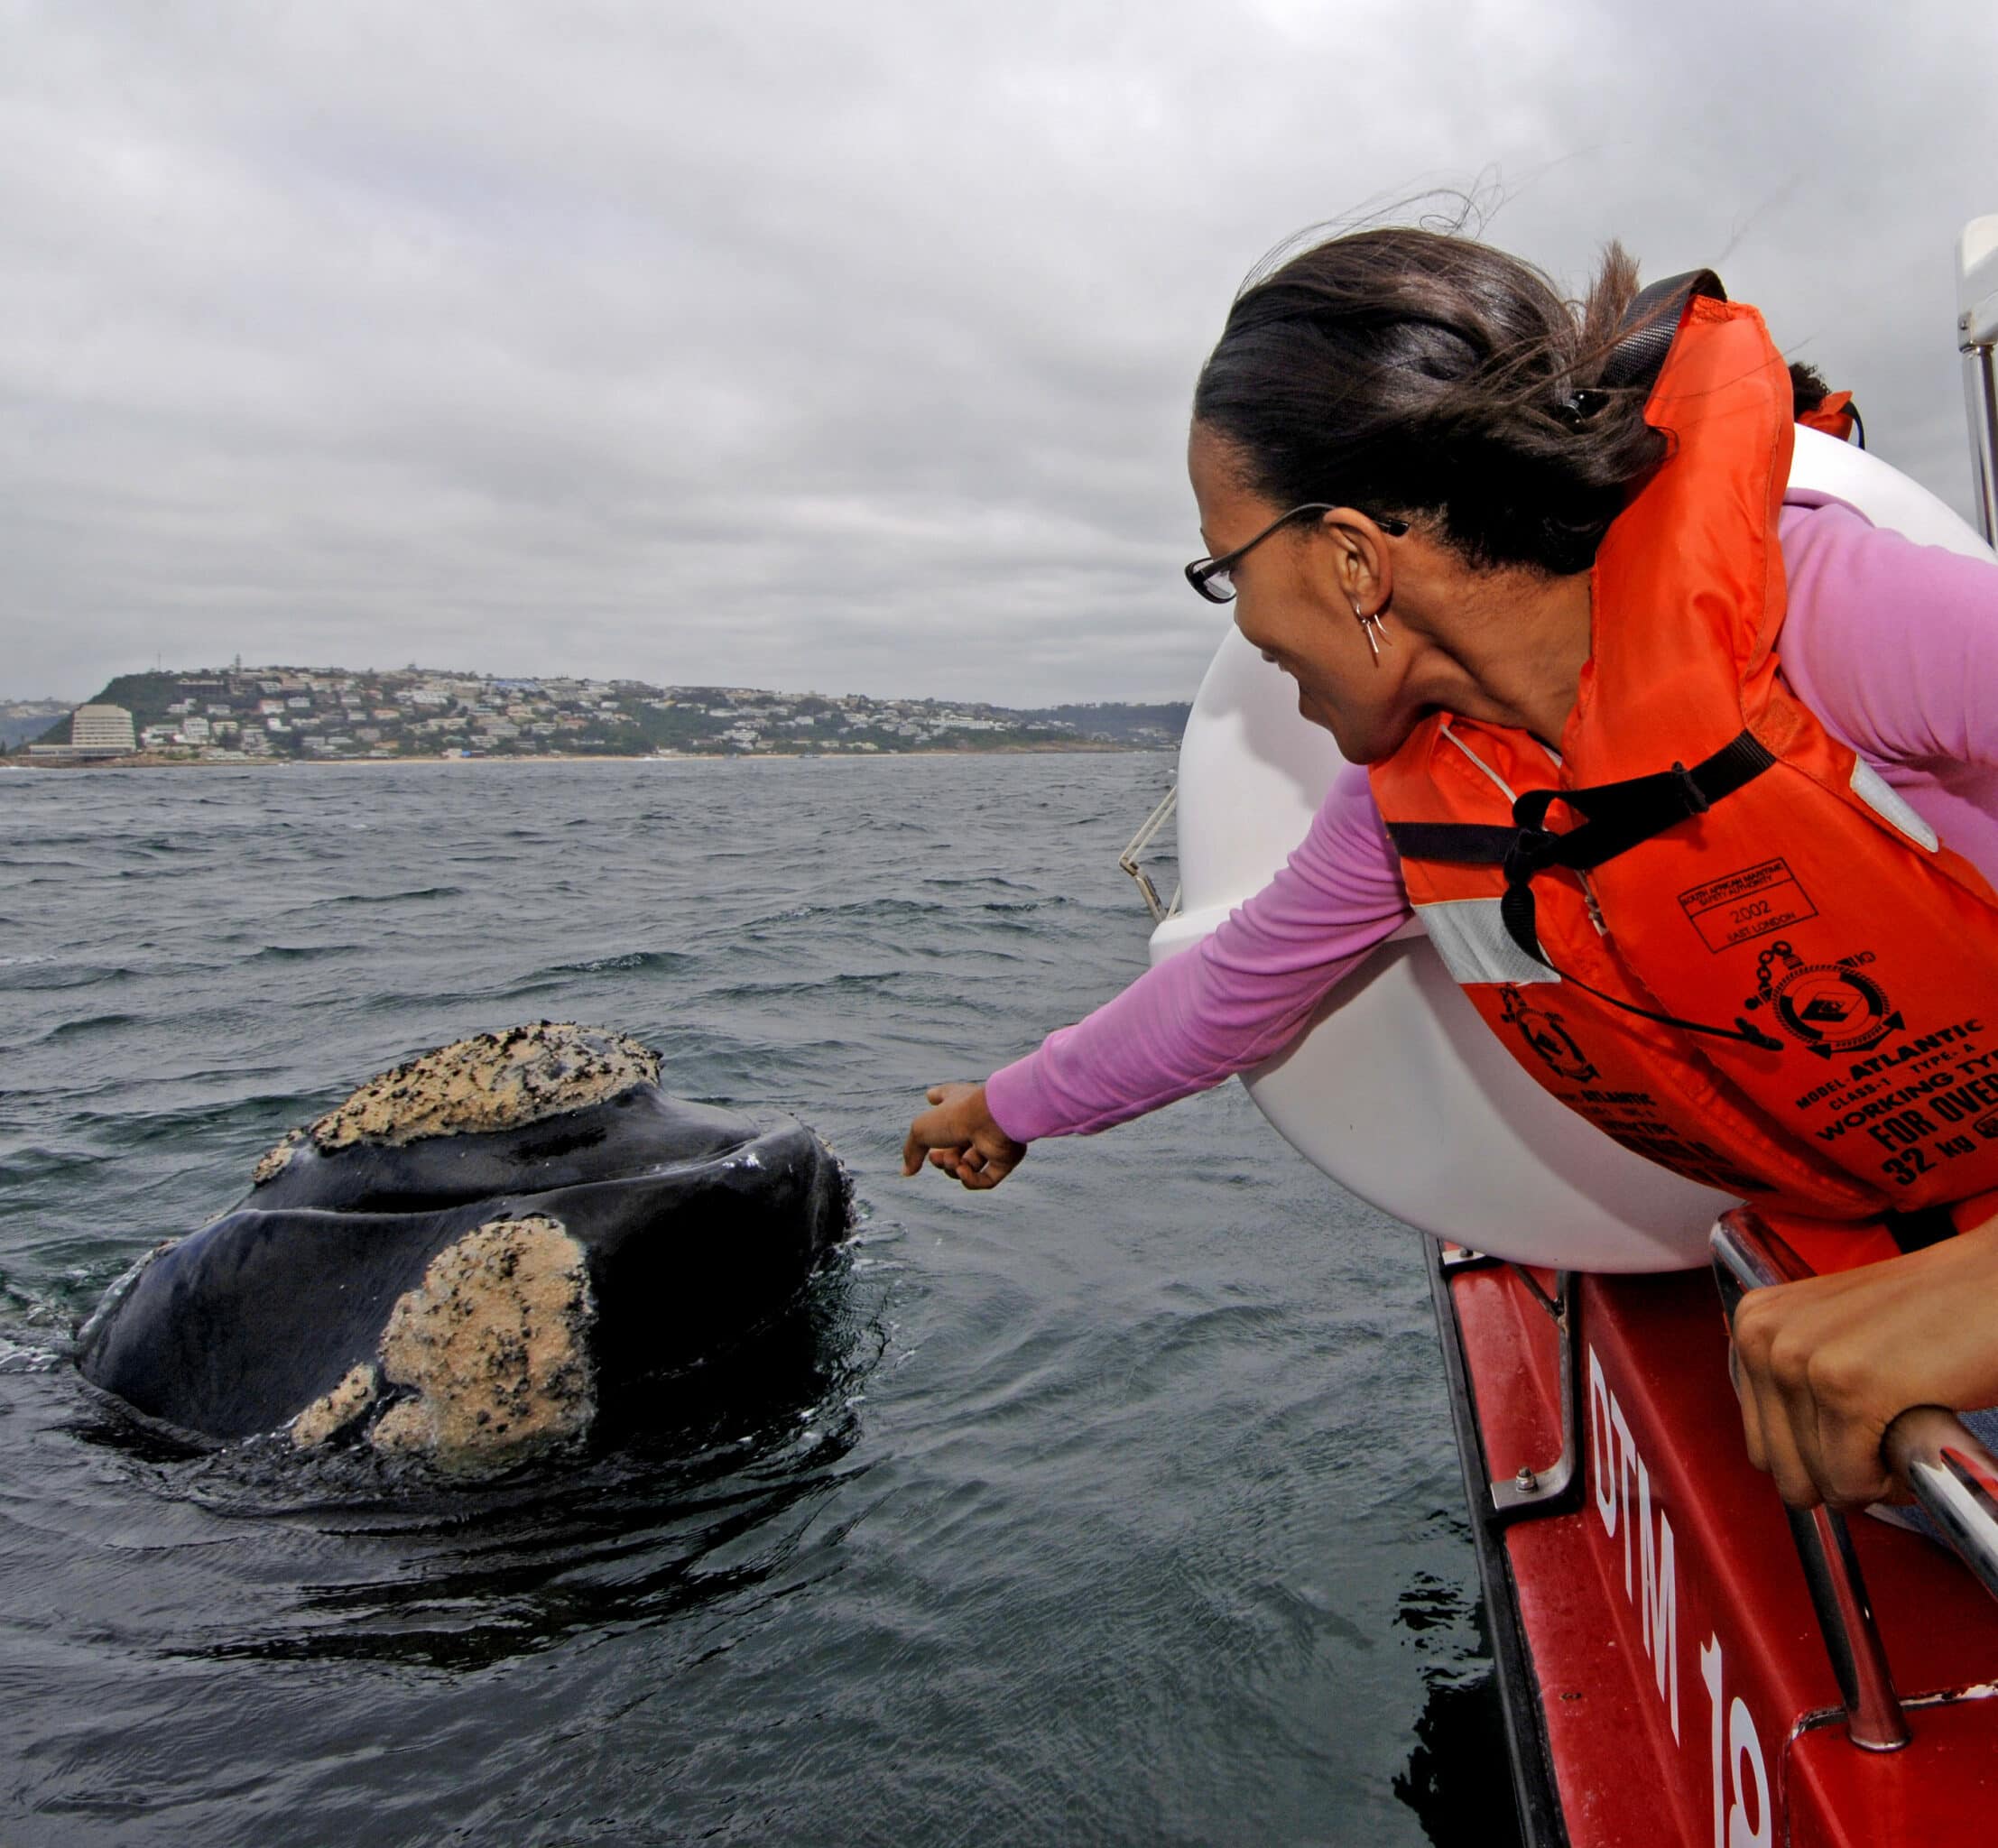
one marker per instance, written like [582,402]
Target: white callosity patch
[278,1159]
[493,1347]
[334,1411]
[492,1081]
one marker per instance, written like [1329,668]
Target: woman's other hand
[959,1136]
[1824,1366]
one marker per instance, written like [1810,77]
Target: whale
[471,1257]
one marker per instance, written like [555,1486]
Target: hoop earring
[1372,628]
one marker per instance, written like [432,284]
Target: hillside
[246,713]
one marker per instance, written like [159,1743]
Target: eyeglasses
[1214,579]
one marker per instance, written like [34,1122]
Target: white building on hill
[94,731]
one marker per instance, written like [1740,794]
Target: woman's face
[1292,602]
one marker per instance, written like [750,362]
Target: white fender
[1399,1091]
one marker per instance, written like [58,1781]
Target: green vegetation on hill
[145,697]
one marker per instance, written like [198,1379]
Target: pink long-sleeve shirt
[1894,645]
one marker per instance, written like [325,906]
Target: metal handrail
[1955,1479]
[1129,858]
[1952,1475]
[1981,401]
[1976,335]
[1749,1255]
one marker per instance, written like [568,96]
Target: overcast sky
[833,347]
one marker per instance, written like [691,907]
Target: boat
[1679,1658]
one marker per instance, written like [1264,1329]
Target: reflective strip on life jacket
[1471,936]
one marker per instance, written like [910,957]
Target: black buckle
[1689,790]
[1533,852]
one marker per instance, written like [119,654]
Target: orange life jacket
[1835,415]
[1815,977]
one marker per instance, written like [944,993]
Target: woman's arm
[1239,996]
[1894,645]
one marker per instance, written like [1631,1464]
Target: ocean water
[1117,1505]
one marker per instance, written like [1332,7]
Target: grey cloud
[837,348]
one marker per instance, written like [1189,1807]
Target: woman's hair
[1432,377]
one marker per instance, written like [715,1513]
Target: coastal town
[251,715]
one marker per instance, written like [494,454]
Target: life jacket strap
[1649,326]
[1617,817]
[1621,816]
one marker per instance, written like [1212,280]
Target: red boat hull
[1664,1675]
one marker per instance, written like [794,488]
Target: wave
[17,1356]
[34,1162]
[21,844]
[561,976]
[89,1023]
[161,845]
[986,881]
[259,1114]
[852,910]
[386,898]
[822,985]
[302,952]
[624,959]
[37,973]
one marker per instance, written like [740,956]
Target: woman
[1536,571]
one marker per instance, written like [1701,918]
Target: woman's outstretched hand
[1824,1366]
[959,1136]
